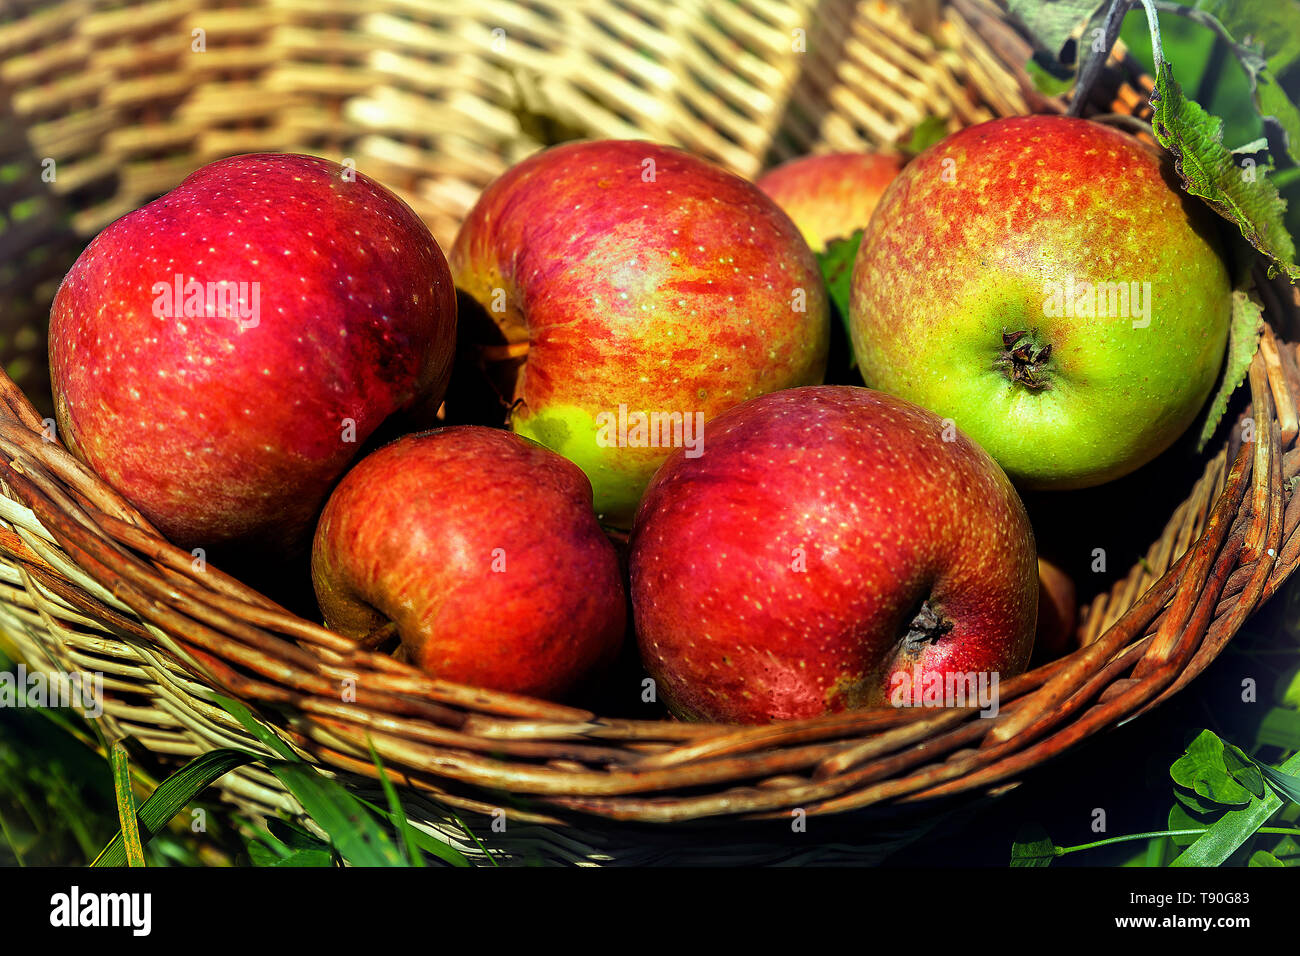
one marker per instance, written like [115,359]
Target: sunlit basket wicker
[435,98]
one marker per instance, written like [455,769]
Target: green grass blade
[316,858]
[431,844]
[256,727]
[369,848]
[294,837]
[172,795]
[1286,785]
[354,831]
[133,849]
[397,812]
[474,836]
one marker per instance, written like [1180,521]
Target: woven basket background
[104,105]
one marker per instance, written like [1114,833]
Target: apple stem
[1023,360]
[378,636]
[927,626]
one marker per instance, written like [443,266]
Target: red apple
[832,546]
[483,549]
[219,355]
[1058,612]
[831,195]
[649,290]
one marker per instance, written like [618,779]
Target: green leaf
[397,813]
[431,844]
[306,858]
[1288,686]
[1265,37]
[1154,853]
[1045,82]
[836,262]
[133,848]
[1032,847]
[1206,167]
[1286,785]
[173,795]
[352,829]
[294,837]
[1280,728]
[262,853]
[1051,22]
[1288,851]
[1203,771]
[256,727]
[1234,828]
[1181,819]
[1243,769]
[931,130]
[1195,804]
[1276,107]
[539,118]
[1264,858]
[337,797]
[1243,343]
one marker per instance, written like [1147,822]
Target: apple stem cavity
[378,637]
[1023,360]
[926,627]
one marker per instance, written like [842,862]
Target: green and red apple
[483,549]
[648,290]
[833,548]
[219,355]
[1043,282]
[831,195]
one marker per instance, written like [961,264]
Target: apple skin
[884,514]
[831,195]
[689,293]
[483,548]
[960,251]
[1058,612]
[228,434]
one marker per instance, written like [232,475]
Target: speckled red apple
[483,548]
[831,195]
[831,545]
[640,277]
[226,420]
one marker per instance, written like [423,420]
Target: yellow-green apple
[834,547]
[649,290]
[219,355]
[1043,282]
[482,548]
[830,195]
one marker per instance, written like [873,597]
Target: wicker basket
[435,98]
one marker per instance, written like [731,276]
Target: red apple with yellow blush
[831,195]
[1044,282]
[647,290]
